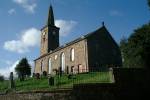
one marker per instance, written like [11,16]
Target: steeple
[49,35]
[50,20]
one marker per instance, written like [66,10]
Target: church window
[44,33]
[54,32]
[72,69]
[55,57]
[62,61]
[44,38]
[42,65]
[50,65]
[72,54]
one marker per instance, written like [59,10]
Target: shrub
[44,73]
[33,75]
[71,76]
[56,71]
[1,78]
[37,76]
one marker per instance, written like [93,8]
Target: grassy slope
[64,82]
[4,85]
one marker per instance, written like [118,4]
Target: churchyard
[60,82]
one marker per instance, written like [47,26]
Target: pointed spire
[50,20]
[103,24]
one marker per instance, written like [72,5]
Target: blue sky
[21,21]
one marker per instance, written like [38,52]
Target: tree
[23,69]
[1,78]
[136,50]
[124,50]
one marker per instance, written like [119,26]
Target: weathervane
[103,24]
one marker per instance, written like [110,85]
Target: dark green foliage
[71,76]
[136,50]
[37,76]
[33,75]
[44,73]
[1,78]
[23,69]
[56,71]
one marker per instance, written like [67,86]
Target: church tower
[49,34]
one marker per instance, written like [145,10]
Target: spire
[103,24]
[50,20]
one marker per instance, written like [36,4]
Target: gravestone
[51,81]
[12,84]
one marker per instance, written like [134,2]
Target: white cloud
[12,11]
[15,46]
[28,5]
[29,38]
[115,13]
[65,26]
[5,71]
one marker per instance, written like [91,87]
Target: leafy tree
[23,69]
[1,78]
[136,50]
[124,50]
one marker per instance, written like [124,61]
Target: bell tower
[49,34]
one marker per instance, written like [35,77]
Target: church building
[92,52]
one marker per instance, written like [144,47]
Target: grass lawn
[4,85]
[60,82]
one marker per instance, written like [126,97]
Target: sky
[22,20]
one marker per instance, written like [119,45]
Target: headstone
[12,84]
[60,71]
[51,81]
[111,75]
[37,76]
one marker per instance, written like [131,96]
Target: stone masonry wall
[80,49]
[63,95]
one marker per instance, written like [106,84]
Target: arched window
[72,69]
[72,54]
[42,66]
[62,60]
[50,65]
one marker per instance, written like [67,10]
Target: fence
[61,80]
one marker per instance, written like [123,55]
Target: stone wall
[130,84]
[47,95]
[103,51]
[80,58]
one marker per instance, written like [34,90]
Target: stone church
[95,51]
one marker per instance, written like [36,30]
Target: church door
[50,66]
[63,62]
